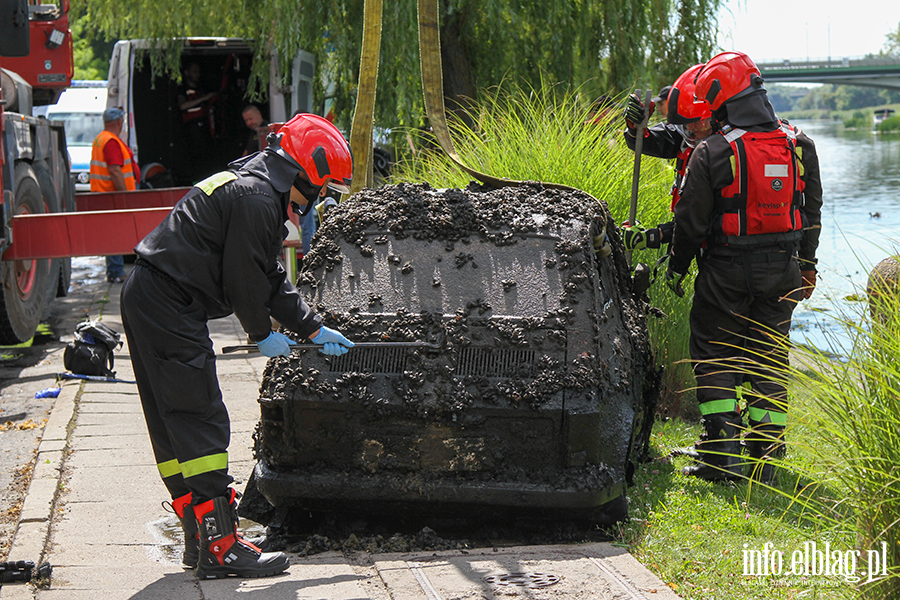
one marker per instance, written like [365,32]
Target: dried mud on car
[539,396]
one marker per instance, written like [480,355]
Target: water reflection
[860,224]
[88,270]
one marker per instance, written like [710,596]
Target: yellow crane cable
[364,113]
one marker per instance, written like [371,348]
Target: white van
[161,135]
[81,109]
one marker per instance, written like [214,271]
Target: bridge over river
[872,71]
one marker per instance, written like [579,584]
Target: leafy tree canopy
[597,46]
[892,43]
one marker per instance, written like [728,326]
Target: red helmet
[727,76]
[319,149]
[683,106]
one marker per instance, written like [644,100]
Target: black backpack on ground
[92,351]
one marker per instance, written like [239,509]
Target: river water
[860,227]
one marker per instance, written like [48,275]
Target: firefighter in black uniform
[752,193]
[213,255]
[687,122]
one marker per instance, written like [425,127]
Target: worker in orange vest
[113,169]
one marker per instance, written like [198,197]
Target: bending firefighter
[688,121]
[213,255]
[752,194]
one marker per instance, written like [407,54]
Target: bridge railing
[844,62]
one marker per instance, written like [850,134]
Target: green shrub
[859,120]
[890,124]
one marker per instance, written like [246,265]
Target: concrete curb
[36,517]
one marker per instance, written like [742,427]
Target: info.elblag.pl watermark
[813,559]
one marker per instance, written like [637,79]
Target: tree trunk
[459,85]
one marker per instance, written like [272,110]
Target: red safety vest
[762,205]
[196,112]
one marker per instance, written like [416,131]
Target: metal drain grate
[529,580]
[371,360]
[487,362]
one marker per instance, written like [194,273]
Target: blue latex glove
[277,344]
[334,343]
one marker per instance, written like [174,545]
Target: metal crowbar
[298,347]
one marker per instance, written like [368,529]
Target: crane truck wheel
[59,196]
[65,196]
[44,175]
[23,283]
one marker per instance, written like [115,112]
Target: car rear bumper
[580,493]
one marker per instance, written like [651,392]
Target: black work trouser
[175,368]
[740,319]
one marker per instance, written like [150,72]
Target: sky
[795,29]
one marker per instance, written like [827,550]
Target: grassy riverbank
[698,536]
[858,118]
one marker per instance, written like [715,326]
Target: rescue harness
[761,207]
[681,161]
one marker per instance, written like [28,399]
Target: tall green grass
[544,135]
[693,533]
[844,438]
[856,415]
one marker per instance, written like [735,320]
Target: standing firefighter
[688,122]
[214,254]
[753,194]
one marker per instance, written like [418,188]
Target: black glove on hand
[637,238]
[666,230]
[634,111]
[673,281]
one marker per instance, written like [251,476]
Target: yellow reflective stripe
[101,177]
[211,183]
[733,162]
[169,468]
[205,464]
[714,407]
[759,415]
[98,163]
[801,170]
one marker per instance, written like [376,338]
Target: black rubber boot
[720,451]
[764,441]
[185,513]
[223,551]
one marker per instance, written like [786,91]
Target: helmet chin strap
[308,191]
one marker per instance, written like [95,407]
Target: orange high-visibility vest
[101,180]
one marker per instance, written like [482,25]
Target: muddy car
[535,393]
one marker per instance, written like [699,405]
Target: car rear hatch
[528,401]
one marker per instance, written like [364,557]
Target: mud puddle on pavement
[168,538]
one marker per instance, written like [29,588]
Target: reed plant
[856,419]
[550,135]
[840,480]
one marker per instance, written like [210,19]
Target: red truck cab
[48,66]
